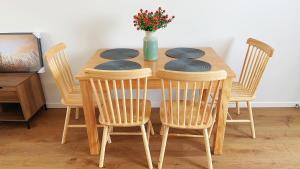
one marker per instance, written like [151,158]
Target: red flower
[151,21]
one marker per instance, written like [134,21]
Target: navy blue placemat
[188,65]
[118,65]
[119,54]
[185,53]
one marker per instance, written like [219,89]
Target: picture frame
[20,52]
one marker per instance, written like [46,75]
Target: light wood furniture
[118,109]
[26,90]
[70,92]
[257,57]
[154,83]
[278,139]
[186,106]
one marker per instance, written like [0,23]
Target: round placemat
[185,53]
[119,54]
[188,65]
[119,65]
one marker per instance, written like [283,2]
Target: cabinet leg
[27,123]
[45,107]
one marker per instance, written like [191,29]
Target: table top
[210,56]
[13,79]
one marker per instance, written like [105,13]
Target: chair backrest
[257,57]
[60,68]
[189,98]
[115,97]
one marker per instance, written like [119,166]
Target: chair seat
[207,121]
[240,93]
[136,122]
[74,98]
[76,88]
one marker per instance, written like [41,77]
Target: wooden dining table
[210,56]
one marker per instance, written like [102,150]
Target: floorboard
[277,145]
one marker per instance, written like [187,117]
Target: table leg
[222,110]
[90,117]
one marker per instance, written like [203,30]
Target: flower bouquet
[150,22]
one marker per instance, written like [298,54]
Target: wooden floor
[277,145]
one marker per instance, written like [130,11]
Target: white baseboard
[268,104]
[254,104]
[55,105]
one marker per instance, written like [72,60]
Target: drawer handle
[1,87]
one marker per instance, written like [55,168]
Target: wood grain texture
[59,66]
[222,110]
[210,57]
[31,96]
[6,79]
[193,112]
[276,146]
[90,117]
[190,112]
[70,93]
[153,81]
[140,111]
[8,95]
[25,89]
[114,100]
[257,57]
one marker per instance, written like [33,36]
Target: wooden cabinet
[24,92]
[8,94]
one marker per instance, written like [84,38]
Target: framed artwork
[20,52]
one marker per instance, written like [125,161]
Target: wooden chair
[257,57]
[187,104]
[118,107]
[70,92]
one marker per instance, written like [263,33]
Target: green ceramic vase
[150,47]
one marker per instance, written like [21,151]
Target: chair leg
[146,146]
[163,146]
[148,130]
[152,130]
[103,146]
[108,135]
[210,131]
[207,146]
[67,119]
[214,120]
[238,108]
[251,119]
[161,131]
[77,113]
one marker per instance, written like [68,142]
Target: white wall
[86,25]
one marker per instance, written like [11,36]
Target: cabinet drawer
[8,95]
